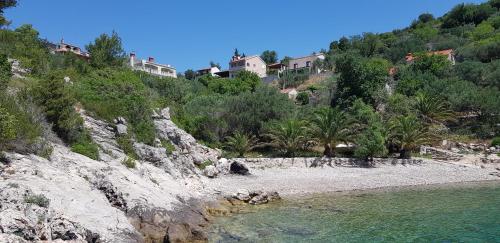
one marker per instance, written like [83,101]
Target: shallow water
[450,214]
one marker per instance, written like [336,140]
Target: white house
[151,67]
[208,70]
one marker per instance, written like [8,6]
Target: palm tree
[241,143]
[433,109]
[329,128]
[408,133]
[289,136]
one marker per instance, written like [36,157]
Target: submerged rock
[256,197]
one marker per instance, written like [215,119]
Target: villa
[209,70]
[253,64]
[449,53]
[151,67]
[305,62]
[66,48]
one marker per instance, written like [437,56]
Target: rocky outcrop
[255,197]
[106,201]
[49,200]
[440,154]
[238,168]
[186,146]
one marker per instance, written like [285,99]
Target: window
[254,65]
[248,64]
[308,64]
[295,66]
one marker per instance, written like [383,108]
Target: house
[66,48]
[151,67]
[450,55]
[305,62]
[253,64]
[209,70]
[276,68]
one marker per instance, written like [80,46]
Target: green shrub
[37,199]
[129,162]
[87,148]
[204,165]
[127,145]
[110,93]
[303,98]
[168,146]
[495,141]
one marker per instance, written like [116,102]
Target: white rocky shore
[166,197]
[299,179]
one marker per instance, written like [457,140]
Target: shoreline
[296,182]
[390,189]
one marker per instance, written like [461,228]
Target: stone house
[65,48]
[306,62]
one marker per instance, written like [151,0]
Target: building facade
[209,70]
[253,64]
[151,67]
[66,48]
[305,62]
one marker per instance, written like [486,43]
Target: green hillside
[375,98]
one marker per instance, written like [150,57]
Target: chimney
[132,59]
[151,59]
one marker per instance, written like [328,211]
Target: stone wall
[262,163]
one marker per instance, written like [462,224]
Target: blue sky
[189,34]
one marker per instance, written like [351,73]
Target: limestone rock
[210,171]
[165,113]
[184,143]
[256,197]
[242,195]
[264,197]
[121,129]
[223,166]
[239,168]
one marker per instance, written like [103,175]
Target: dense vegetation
[374,99]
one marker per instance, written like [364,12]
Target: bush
[111,93]
[129,162]
[204,165]
[495,142]
[169,147]
[87,148]
[303,98]
[37,199]
[127,145]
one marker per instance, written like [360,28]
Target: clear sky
[189,34]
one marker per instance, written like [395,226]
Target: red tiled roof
[409,57]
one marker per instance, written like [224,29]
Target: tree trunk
[328,151]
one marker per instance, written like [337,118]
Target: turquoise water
[463,214]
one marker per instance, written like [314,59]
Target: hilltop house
[252,63]
[209,70]
[65,48]
[306,62]
[450,55]
[151,67]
